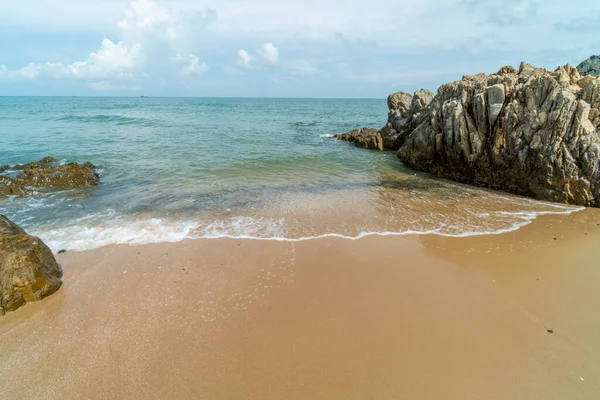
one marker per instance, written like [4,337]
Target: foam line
[155,230]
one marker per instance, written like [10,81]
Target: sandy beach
[509,316]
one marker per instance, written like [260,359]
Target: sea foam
[159,230]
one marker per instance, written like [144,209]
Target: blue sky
[292,48]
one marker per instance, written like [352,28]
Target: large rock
[45,175]
[591,66]
[402,115]
[365,137]
[28,269]
[530,132]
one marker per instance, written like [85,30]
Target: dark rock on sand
[591,66]
[365,137]
[28,270]
[45,174]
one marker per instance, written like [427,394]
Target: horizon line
[200,97]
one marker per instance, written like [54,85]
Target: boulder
[365,137]
[532,132]
[591,66]
[28,270]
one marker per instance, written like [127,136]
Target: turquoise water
[173,168]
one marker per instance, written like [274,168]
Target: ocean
[176,168]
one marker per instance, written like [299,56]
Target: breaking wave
[158,230]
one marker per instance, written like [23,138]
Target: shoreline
[378,317]
[371,216]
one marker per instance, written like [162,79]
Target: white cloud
[267,55]
[147,31]
[193,65]
[113,60]
[381,41]
[244,59]
[143,16]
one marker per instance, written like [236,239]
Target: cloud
[244,59]
[144,16]
[58,46]
[192,64]
[113,60]
[267,55]
[147,32]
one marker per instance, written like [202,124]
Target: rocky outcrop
[530,132]
[591,66]
[28,269]
[365,137]
[47,175]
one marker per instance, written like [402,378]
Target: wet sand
[416,317]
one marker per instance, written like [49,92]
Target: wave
[327,135]
[103,118]
[159,230]
[304,124]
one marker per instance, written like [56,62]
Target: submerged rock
[28,270]
[45,174]
[68,176]
[365,137]
[591,66]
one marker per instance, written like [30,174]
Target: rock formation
[28,270]
[530,132]
[591,66]
[46,175]
[365,137]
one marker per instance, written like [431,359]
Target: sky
[286,48]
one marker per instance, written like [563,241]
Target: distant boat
[144,97]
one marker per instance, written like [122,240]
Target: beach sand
[412,317]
